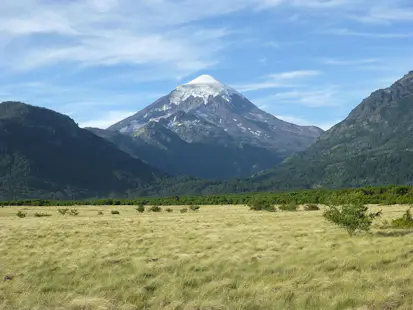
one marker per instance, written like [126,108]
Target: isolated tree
[352,217]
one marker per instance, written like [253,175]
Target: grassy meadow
[222,257]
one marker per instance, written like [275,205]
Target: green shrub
[169,210]
[155,209]
[406,221]
[140,208]
[100,213]
[194,208]
[73,212]
[352,217]
[116,212]
[63,211]
[289,207]
[42,215]
[311,207]
[261,205]
[21,214]
[183,210]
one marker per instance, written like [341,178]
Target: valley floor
[222,257]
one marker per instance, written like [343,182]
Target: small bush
[155,209]
[100,213]
[406,221]
[42,215]
[63,211]
[194,208]
[73,212]
[169,210]
[140,208]
[261,205]
[183,210]
[116,212]
[311,207]
[352,217]
[289,207]
[21,214]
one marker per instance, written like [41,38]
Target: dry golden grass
[222,257]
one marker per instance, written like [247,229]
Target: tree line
[385,195]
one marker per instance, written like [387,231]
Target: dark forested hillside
[45,154]
[372,146]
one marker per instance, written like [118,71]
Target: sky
[304,61]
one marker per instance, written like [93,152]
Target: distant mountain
[45,154]
[372,146]
[209,130]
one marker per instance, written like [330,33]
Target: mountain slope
[173,155]
[372,146]
[206,129]
[45,154]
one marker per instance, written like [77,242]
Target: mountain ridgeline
[372,146]
[206,129]
[45,154]
[209,130]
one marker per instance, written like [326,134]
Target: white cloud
[310,98]
[326,97]
[302,122]
[385,13]
[349,62]
[376,35]
[278,80]
[111,32]
[106,119]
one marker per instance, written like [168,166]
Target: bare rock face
[235,137]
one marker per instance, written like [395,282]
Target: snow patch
[202,87]
[204,79]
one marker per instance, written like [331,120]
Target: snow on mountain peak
[202,87]
[203,79]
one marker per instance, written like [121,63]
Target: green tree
[351,216]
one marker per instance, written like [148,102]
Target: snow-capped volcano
[206,111]
[204,87]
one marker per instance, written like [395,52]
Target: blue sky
[305,61]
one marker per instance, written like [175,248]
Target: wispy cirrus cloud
[278,80]
[116,32]
[349,62]
[376,35]
[326,97]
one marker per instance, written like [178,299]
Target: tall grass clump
[194,208]
[63,211]
[42,215]
[311,207]
[406,221]
[292,207]
[155,209]
[21,214]
[261,205]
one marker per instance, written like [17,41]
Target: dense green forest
[385,195]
